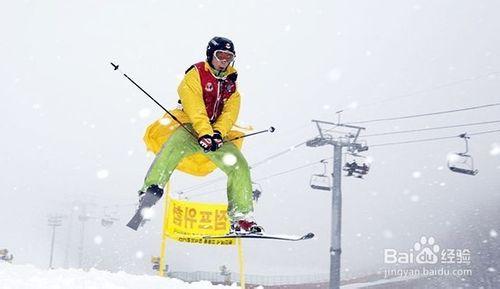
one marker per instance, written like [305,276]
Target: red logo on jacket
[209,87]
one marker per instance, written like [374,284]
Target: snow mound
[30,277]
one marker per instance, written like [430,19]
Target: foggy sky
[66,116]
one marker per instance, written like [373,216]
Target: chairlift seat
[320,182]
[464,164]
[464,171]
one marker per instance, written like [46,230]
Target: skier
[209,106]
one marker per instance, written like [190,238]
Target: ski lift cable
[426,114]
[277,154]
[425,90]
[432,139]
[293,169]
[483,132]
[430,128]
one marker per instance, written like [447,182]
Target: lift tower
[350,141]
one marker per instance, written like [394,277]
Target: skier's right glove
[206,143]
[217,140]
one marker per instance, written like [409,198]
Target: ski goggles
[224,55]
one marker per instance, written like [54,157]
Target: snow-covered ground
[30,277]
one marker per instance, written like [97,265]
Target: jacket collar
[230,69]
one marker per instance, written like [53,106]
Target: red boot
[246,227]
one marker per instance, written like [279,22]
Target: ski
[147,201]
[262,236]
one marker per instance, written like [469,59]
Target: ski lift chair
[362,170]
[352,167]
[321,181]
[462,163]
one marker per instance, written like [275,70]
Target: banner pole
[164,234]
[242,263]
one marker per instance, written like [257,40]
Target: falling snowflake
[229,159]
[453,157]
[493,233]
[145,112]
[150,155]
[334,74]
[165,121]
[415,198]
[353,105]
[495,149]
[416,174]
[139,254]
[97,240]
[387,234]
[102,174]
[147,213]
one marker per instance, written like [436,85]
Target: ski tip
[133,226]
[308,236]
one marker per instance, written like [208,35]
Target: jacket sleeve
[191,95]
[229,114]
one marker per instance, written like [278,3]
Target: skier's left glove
[217,140]
[206,142]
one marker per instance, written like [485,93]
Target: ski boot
[246,226]
[146,200]
[153,189]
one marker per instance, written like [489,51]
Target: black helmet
[219,43]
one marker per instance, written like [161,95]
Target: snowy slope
[30,277]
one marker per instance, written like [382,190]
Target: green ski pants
[228,158]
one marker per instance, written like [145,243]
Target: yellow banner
[190,221]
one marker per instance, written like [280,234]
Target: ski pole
[271,129]
[171,115]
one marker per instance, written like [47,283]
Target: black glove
[217,140]
[206,143]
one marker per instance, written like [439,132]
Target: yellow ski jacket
[194,111]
